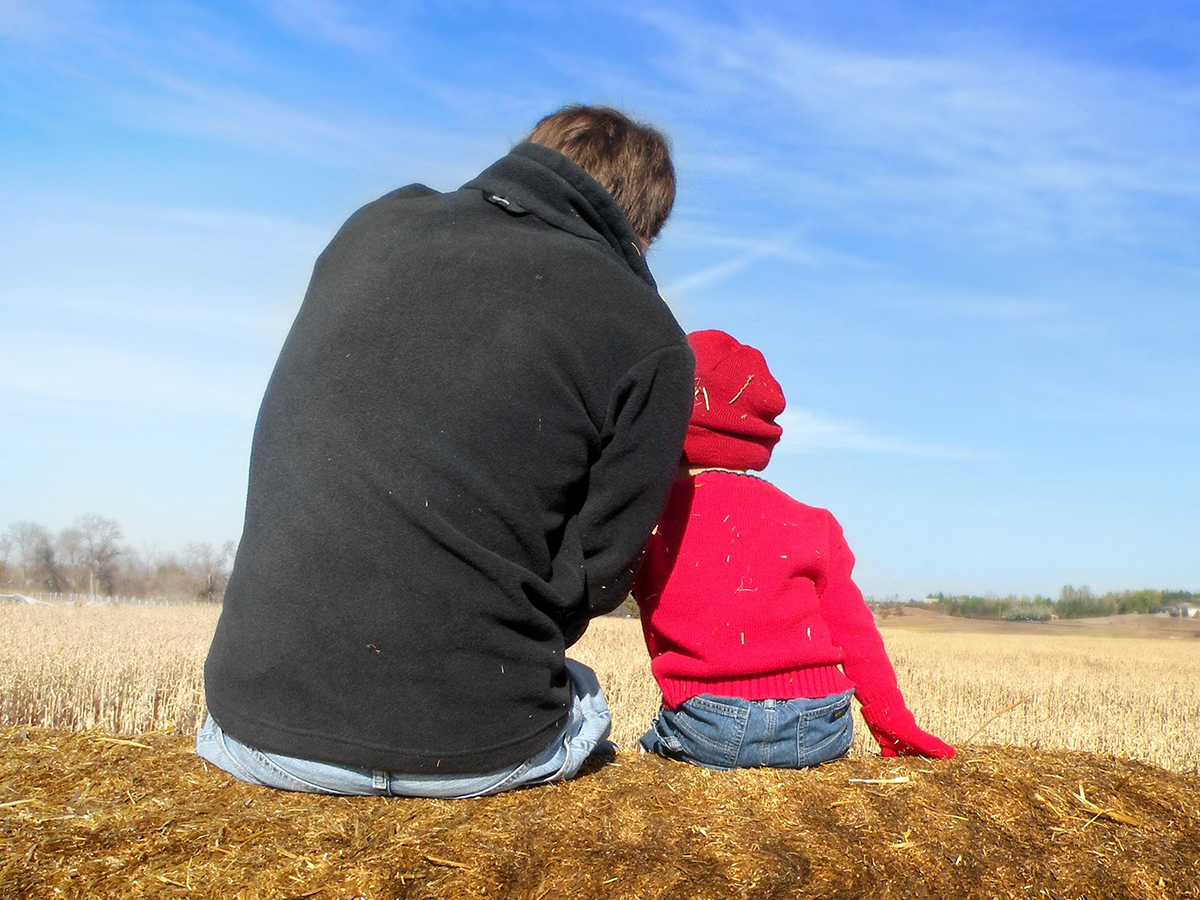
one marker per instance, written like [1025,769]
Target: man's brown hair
[631,160]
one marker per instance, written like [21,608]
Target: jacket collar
[540,181]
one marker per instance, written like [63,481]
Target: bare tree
[6,548]
[89,556]
[29,538]
[100,538]
[210,567]
[70,547]
[71,557]
[48,573]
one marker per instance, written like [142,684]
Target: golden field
[102,795]
[1129,692]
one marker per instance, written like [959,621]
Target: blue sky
[964,234]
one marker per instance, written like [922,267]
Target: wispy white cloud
[43,367]
[34,22]
[329,133]
[808,432]
[185,71]
[740,254]
[980,140]
[984,308]
[1002,309]
[335,23]
[65,247]
[192,231]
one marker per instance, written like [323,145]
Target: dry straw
[102,796]
[82,816]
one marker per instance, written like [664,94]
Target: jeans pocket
[271,771]
[708,731]
[254,766]
[826,731]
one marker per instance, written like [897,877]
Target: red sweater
[745,592]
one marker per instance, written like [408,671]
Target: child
[758,638]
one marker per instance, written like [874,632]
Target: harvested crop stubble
[125,669]
[88,815]
[133,669]
[1135,697]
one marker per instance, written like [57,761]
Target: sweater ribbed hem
[811,682]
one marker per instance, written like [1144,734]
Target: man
[469,434]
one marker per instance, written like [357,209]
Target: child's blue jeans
[585,731]
[729,733]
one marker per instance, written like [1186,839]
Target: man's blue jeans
[588,725]
[728,732]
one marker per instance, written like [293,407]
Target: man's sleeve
[641,445]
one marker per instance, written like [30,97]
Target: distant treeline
[90,558]
[1072,603]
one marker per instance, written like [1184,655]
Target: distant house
[1184,610]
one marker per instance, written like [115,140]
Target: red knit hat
[736,402]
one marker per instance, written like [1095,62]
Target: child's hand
[896,731]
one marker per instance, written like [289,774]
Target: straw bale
[94,815]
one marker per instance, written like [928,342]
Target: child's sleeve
[851,624]
[865,660]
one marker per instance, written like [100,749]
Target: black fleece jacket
[470,431]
